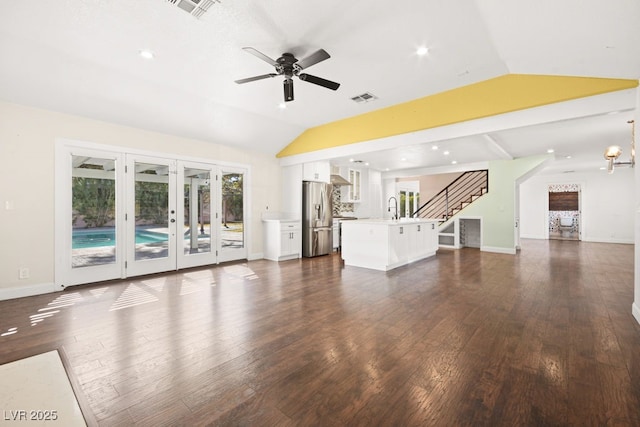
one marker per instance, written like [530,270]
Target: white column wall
[636,301]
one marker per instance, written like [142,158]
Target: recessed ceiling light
[422,50]
[454,162]
[446,153]
[567,157]
[434,147]
[550,150]
[404,159]
[603,168]
[351,160]
[282,106]
[146,54]
[386,169]
[366,164]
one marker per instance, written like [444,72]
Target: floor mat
[37,391]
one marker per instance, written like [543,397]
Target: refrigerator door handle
[317,229]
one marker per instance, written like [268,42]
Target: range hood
[339,180]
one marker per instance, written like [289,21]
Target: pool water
[95,238]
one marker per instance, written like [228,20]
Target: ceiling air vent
[365,97]
[196,8]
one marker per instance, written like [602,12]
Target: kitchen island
[384,244]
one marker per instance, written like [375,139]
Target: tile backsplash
[339,207]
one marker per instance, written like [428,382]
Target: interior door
[196,215]
[151,215]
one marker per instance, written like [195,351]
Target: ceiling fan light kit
[289,66]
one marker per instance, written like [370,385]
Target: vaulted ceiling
[83,57]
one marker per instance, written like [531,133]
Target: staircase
[456,196]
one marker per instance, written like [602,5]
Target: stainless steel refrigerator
[317,218]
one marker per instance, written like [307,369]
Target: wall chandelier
[614,151]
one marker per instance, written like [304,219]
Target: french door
[89,237]
[232,224]
[197,218]
[122,215]
[151,215]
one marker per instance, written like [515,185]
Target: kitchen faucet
[396,206]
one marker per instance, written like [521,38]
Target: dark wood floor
[545,337]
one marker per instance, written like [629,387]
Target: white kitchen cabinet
[399,244]
[336,234]
[354,191]
[422,240]
[387,244]
[431,238]
[282,239]
[316,171]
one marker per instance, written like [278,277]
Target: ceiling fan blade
[319,81]
[260,55]
[312,59]
[253,79]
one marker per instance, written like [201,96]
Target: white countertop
[383,221]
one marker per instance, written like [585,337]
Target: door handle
[173,220]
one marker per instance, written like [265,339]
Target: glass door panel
[93,211]
[409,203]
[151,216]
[197,233]
[232,223]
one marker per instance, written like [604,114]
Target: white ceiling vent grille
[196,8]
[365,97]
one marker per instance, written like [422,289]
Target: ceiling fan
[288,66]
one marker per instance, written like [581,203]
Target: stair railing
[454,197]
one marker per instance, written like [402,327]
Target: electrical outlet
[23,273]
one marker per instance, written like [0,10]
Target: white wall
[607,204]
[27,138]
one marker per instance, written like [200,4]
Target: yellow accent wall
[504,94]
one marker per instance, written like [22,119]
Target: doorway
[564,211]
[409,197]
[128,214]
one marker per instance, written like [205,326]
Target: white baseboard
[620,241]
[509,251]
[635,309]
[27,290]
[532,236]
[253,257]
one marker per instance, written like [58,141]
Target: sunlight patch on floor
[131,297]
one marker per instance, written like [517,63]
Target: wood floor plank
[469,338]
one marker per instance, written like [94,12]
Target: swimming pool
[94,238]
